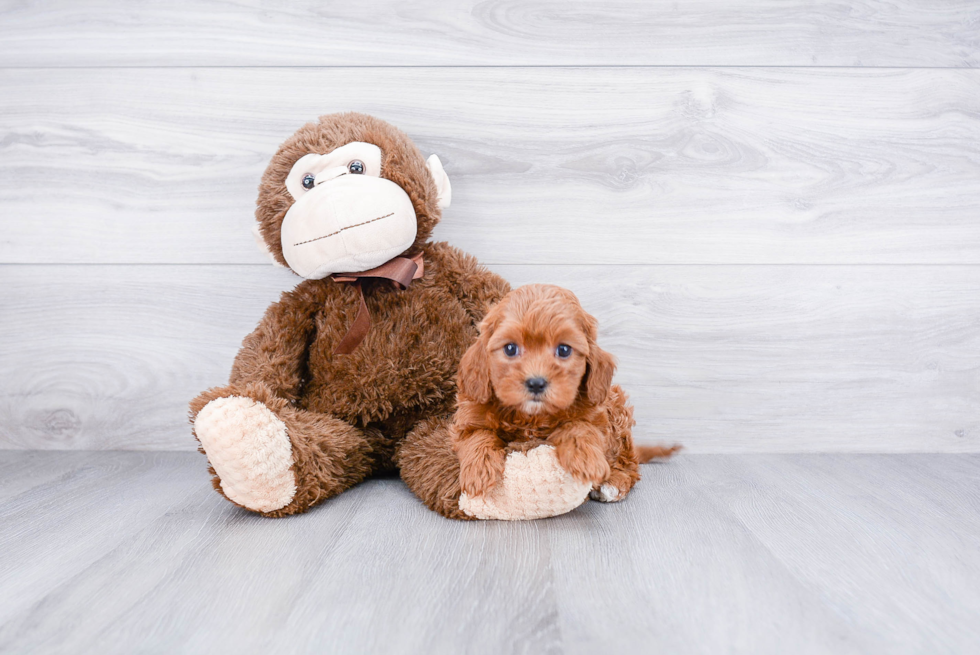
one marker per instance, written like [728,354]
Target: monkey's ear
[260,242]
[442,181]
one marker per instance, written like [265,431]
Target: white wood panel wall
[70,33]
[774,211]
[549,165]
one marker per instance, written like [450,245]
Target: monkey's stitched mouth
[325,236]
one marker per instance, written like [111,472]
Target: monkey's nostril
[535,385]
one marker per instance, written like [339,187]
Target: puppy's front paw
[607,493]
[585,462]
[479,475]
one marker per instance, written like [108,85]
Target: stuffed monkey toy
[352,373]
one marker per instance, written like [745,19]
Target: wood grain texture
[549,166]
[709,554]
[496,32]
[720,358]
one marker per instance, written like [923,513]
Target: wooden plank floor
[119,552]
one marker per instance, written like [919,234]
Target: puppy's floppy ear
[599,367]
[474,372]
[474,367]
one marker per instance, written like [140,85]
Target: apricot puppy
[536,375]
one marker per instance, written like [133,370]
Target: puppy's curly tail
[646,453]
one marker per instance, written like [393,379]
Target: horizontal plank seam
[538,265]
[706,453]
[495,66]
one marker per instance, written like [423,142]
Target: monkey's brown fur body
[388,404]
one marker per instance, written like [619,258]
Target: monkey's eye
[308,181]
[356,167]
[563,350]
[510,350]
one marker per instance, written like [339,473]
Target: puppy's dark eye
[563,350]
[510,350]
[308,181]
[356,167]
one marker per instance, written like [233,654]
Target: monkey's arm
[275,353]
[270,364]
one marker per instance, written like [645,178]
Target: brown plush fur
[389,402]
[579,412]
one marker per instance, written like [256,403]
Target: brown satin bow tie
[400,270]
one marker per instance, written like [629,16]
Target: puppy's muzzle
[536,385]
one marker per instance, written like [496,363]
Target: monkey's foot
[534,486]
[249,448]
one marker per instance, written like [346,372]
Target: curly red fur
[580,412]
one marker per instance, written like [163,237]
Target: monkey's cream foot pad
[249,448]
[534,486]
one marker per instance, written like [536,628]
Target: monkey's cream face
[346,217]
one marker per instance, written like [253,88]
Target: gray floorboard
[132,552]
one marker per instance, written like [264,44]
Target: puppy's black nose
[535,385]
